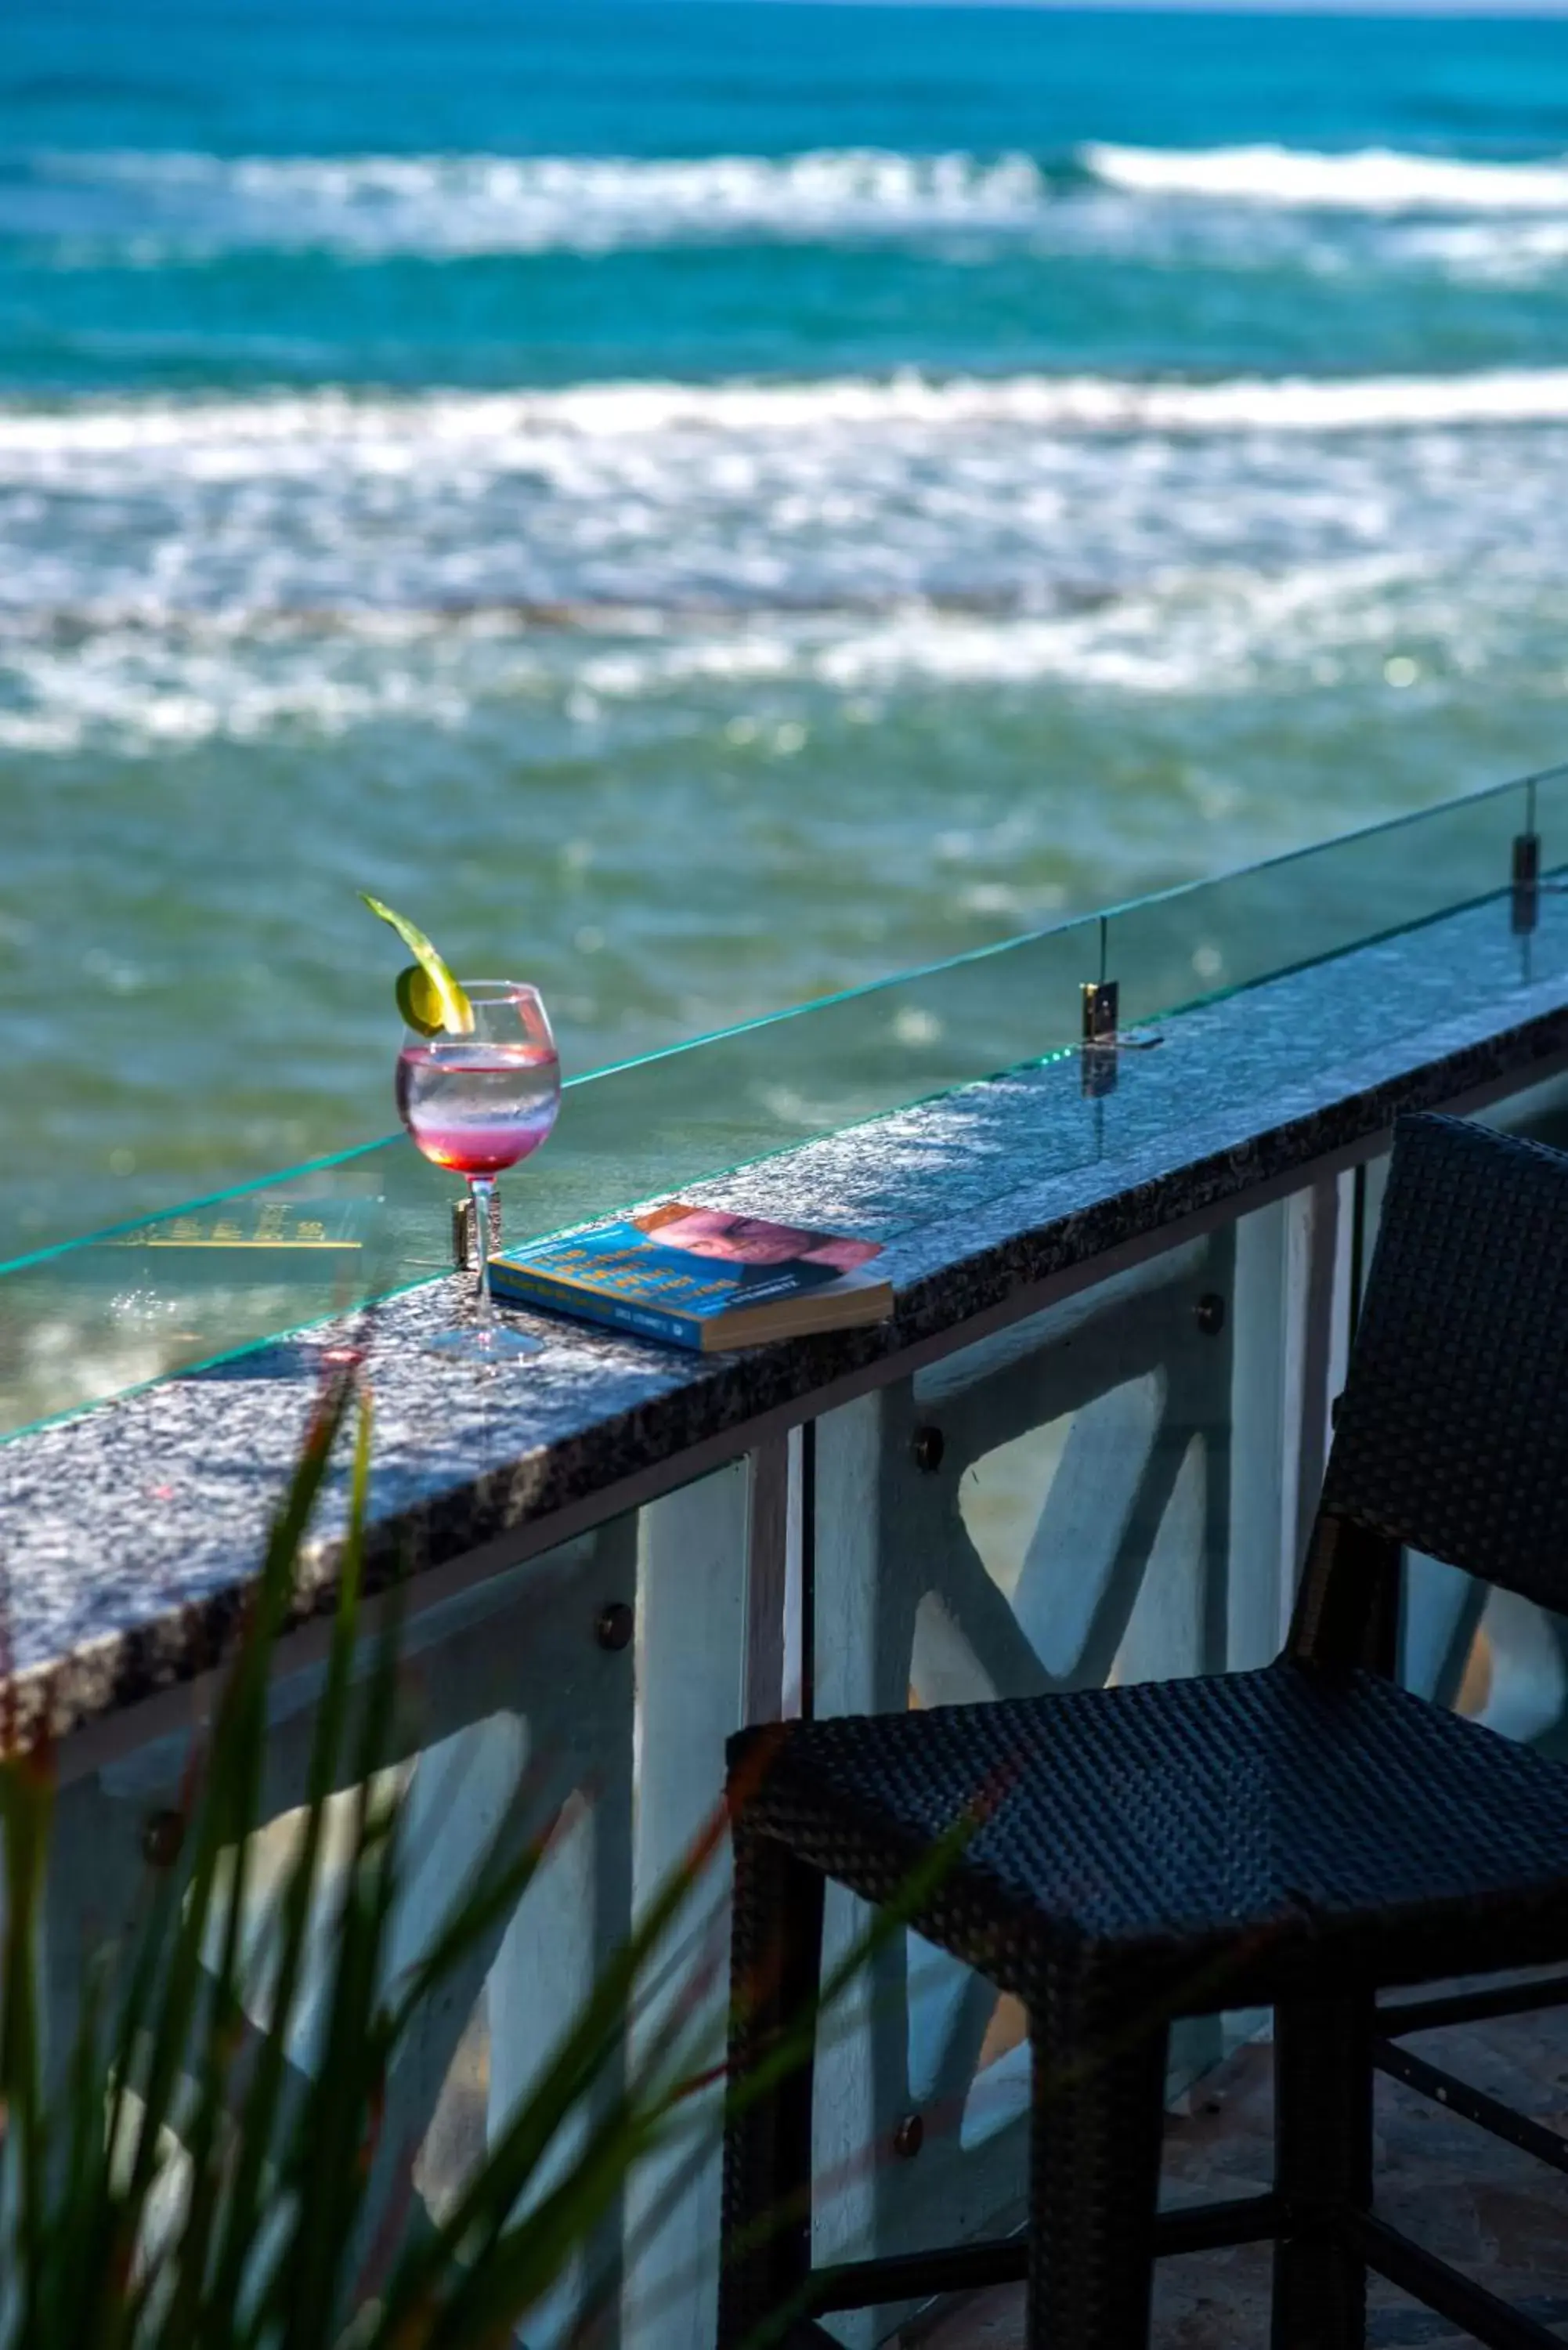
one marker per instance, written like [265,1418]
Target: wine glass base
[497,1345]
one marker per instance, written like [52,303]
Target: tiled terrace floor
[1479,2204]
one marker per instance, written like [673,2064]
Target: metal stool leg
[1323,2168]
[1099,2115]
[775,1968]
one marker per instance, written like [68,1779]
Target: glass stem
[482,1189]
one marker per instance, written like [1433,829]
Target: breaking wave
[212,438]
[1371,179]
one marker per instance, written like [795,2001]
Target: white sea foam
[214,437]
[1371,179]
[182,569]
[453,204]
[1214,637]
[1225,207]
[1518,250]
[843,493]
[541,195]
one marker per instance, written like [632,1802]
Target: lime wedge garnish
[420,1002]
[429,998]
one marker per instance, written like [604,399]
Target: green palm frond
[179,2183]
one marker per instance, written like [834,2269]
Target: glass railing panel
[182,1291]
[1539,910]
[740,1097]
[96,1318]
[1169,952]
[1546,806]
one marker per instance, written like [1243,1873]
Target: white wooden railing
[1115,1485]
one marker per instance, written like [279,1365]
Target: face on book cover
[749,1239]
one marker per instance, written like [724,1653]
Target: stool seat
[1298,1837]
[1258,1821]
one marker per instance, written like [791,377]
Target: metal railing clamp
[1104,1042]
[1526,876]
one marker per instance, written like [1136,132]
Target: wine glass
[478,1103]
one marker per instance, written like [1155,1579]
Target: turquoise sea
[703,502]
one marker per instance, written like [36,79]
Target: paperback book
[699,1277]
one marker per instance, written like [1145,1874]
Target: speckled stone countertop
[128,1531]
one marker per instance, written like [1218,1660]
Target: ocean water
[705,503]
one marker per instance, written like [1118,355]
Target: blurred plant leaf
[179,2179]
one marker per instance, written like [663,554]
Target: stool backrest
[1452,1432]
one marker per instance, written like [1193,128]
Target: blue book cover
[701,1277]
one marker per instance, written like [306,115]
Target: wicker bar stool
[1301,1837]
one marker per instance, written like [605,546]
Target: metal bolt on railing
[612,1624]
[162,1835]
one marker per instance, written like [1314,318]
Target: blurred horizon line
[1373,10]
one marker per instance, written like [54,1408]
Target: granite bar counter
[128,1531]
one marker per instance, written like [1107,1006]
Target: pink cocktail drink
[477,1098]
[477,1107]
